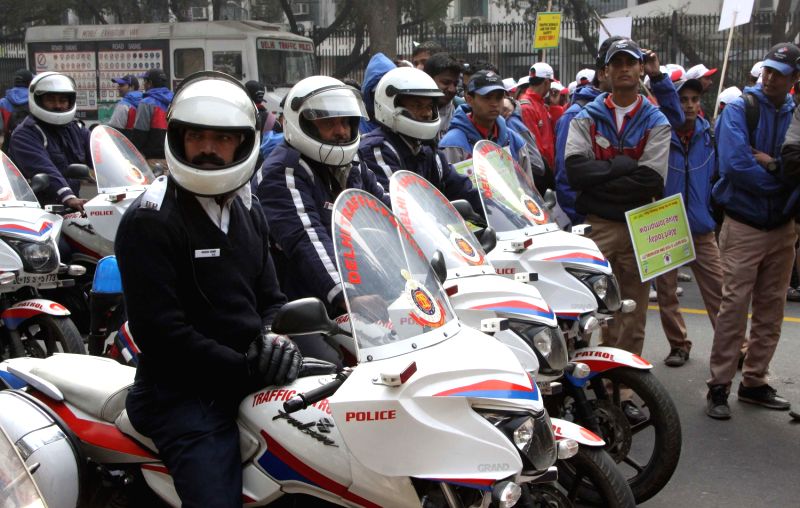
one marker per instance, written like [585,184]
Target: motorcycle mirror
[305,316]
[158,169]
[549,198]
[439,266]
[466,211]
[40,183]
[78,171]
[488,239]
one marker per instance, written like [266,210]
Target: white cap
[555,85]
[677,72]
[509,84]
[572,86]
[541,70]
[584,74]
[523,81]
[756,70]
[729,94]
[699,71]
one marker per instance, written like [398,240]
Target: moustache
[208,158]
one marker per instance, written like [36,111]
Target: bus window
[284,68]
[229,62]
[188,60]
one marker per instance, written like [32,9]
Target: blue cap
[784,58]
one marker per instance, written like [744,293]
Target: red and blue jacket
[150,126]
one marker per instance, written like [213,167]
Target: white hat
[572,86]
[509,84]
[756,70]
[523,81]
[555,85]
[677,73]
[729,94]
[541,70]
[584,74]
[699,71]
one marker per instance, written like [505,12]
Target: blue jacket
[17,96]
[37,147]
[133,98]
[690,174]
[150,127]
[516,124]
[385,152]
[616,171]
[269,140]
[463,135]
[297,195]
[746,190]
[566,194]
[378,65]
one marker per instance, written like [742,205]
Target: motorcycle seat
[93,384]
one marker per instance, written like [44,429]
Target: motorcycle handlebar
[303,400]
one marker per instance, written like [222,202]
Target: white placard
[616,26]
[743,10]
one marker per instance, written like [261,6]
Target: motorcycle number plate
[33,280]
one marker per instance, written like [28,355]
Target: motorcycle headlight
[532,434]
[37,257]
[604,287]
[547,342]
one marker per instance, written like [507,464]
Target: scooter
[29,262]
[524,321]
[576,280]
[434,414]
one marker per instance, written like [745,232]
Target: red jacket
[538,121]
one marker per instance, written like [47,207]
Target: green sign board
[661,237]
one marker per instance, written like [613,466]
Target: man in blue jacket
[50,139]
[14,106]
[150,126]
[480,119]
[616,158]
[125,111]
[757,237]
[300,181]
[377,67]
[405,108]
[692,163]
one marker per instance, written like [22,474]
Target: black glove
[272,360]
[315,367]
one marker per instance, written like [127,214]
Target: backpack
[19,114]
[752,114]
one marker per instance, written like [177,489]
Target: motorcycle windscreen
[394,299]
[434,222]
[509,197]
[14,189]
[118,165]
[17,487]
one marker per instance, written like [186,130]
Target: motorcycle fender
[600,359]
[564,429]
[14,316]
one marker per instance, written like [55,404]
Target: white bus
[94,54]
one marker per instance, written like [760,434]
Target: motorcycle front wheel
[647,452]
[44,335]
[592,477]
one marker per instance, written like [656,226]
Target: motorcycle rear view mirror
[40,183]
[549,198]
[78,172]
[466,211]
[439,266]
[488,239]
[305,316]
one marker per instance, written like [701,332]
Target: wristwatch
[772,166]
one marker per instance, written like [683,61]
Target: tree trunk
[382,20]
[287,9]
[582,15]
[356,56]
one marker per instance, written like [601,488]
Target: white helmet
[52,82]
[316,98]
[211,100]
[406,81]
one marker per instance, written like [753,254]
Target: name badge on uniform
[328,205]
[206,253]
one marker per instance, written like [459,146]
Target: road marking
[788,319]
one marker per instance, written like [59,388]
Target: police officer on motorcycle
[201,291]
[50,139]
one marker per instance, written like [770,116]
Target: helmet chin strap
[332,152]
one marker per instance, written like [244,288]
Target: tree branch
[287,10]
[353,60]
[343,16]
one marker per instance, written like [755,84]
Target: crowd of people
[242,222]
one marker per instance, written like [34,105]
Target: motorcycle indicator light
[397,379]
[116,198]
[451,290]
[567,448]
[506,494]
[7,277]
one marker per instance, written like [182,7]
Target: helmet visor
[337,102]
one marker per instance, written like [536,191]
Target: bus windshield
[283,68]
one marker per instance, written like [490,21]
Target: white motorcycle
[435,414]
[576,280]
[524,321]
[29,262]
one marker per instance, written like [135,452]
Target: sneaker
[679,291]
[717,402]
[793,295]
[653,295]
[676,358]
[633,413]
[684,277]
[763,395]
